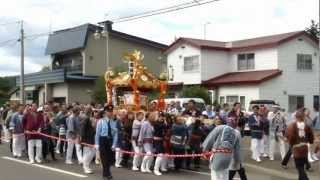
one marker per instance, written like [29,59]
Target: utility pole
[319,66]
[205,30]
[22,99]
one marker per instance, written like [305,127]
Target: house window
[316,103]
[245,61]
[222,100]
[232,99]
[43,98]
[304,61]
[171,73]
[295,102]
[191,63]
[243,102]
[29,95]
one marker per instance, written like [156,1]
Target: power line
[199,3]
[9,43]
[33,37]
[8,23]
[177,7]
[156,10]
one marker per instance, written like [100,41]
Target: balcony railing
[38,78]
[57,75]
[70,69]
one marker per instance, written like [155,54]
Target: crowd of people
[105,134]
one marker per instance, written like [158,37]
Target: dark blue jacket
[255,127]
[179,135]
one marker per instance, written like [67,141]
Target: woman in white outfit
[18,138]
[146,141]
[73,135]
[136,127]
[277,130]
[87,133]
[309,122]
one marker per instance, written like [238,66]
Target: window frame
[243,104]
[195,67]
[303,63]
[222,100]
[29,95]
[245,62]
[316,102]
[292,108]
[231,103]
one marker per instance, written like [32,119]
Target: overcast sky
[229,20]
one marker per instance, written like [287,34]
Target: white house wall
[250,93]
[80,89]
[264,59]
[60,90]
[293,81]
[41,97]
[175,59]
[214,63]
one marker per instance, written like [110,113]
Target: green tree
[4,89]
[196,92]
[99,91]
[313,29]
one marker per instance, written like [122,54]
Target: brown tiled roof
[201,42]
[259,42]
[264,40]
[240,78]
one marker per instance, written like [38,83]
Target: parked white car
[200,103]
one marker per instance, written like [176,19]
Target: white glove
[96,147]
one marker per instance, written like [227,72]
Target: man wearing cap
[209,112]
[191,109]
[106,140]
[256,127]
[32,124]
[277,123]
[73,136]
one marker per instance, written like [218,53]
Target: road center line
[45,167]
[196,172]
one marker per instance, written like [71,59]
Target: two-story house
[282,67]
[81,54]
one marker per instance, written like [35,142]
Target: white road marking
[202,173]
[45,167]
[196,172]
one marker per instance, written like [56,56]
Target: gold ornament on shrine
[138,77]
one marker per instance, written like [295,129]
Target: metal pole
[204,31]
[319,65]
[106,31]
[107,41]
[22,99]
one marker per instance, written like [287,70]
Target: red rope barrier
[205,154]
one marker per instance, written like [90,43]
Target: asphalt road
[20,169]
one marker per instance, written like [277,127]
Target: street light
[205,29]
[104,33]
